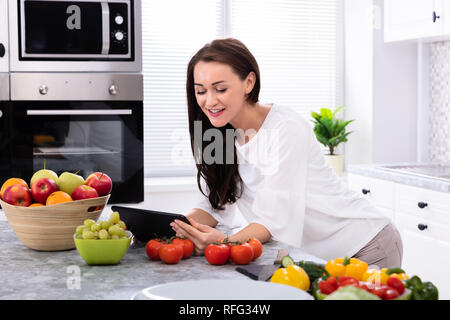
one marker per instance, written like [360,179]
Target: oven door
[5,143]
[84,136]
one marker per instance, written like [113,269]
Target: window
[297,43]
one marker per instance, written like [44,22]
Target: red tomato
[152,247]
[241,253]
[187,244]
[326,287]
[390,293]
[396,283]
[378,291]
[217,254]
[171,253]
[257,247]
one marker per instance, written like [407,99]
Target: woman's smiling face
[219,91]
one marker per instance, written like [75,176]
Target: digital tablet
[148,224]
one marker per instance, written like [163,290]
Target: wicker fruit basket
[51,228]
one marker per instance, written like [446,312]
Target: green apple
[44,173]
[68,182]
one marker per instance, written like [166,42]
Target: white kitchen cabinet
[425,253]
[422,217]
[416,19]
[4,64]
[379,192]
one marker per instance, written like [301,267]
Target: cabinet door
[4,65]
[424,255]
[413,19]
[379,192]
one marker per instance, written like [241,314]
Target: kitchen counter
[377,171]
[30,274]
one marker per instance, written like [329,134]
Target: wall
[380,89]
[439,112]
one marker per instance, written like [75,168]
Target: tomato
[396,284]
[187,244]
[170,253]
[257,247]
[152,247]
[241,253]
[378,291]
[217,254]
[390,293]
[327,287]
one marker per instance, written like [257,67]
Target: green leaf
[326,113]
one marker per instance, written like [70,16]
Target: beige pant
[385,250]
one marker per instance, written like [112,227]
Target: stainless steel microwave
[79,35]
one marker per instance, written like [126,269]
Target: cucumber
[286,261]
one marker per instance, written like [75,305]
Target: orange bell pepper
[350,267]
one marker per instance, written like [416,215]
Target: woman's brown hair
[221,179]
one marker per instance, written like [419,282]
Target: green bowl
[103,252]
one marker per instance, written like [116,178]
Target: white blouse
[290,189]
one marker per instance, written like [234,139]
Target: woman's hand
[200,234]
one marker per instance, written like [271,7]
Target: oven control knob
[118,20]
[43,89]
[113,89]
[119,36]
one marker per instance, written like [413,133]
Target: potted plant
[331,131]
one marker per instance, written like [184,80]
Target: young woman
[270,177]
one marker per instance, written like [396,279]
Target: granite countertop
[383,171]
[30,274]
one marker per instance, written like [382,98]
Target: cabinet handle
[435,17]
[365,191]
[2,50]
[422,227]
[422,205]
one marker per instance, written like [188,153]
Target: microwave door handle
[105,28]
[74,112]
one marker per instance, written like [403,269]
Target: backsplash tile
[439,116]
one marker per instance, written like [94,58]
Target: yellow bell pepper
[350,267]
[401,276]
[292,275]
[375,276]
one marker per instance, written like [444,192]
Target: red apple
[101,182]
[84,192]
[42,188]
[17,195]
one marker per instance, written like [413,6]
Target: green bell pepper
[421,290]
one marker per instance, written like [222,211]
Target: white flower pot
[336,162]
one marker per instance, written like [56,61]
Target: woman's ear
[250,82]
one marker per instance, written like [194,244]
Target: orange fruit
[58,197]
[10,182]
[37,204]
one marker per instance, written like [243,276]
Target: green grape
[89,222]
[95,227]
[79,236]
[103,234]
[88,235]
[114,237]
[80,230]
[105,224]
[115,230]
[122,224]
[114,218]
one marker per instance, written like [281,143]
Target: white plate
[222,290]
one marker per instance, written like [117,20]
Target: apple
[42,188]
[17,195]
[68,182]
[84,192]
[44,173]
[101,182]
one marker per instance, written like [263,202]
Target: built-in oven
[5,141]
[77,123]
[80,35]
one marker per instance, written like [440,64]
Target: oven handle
[74,112]
[105,28]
